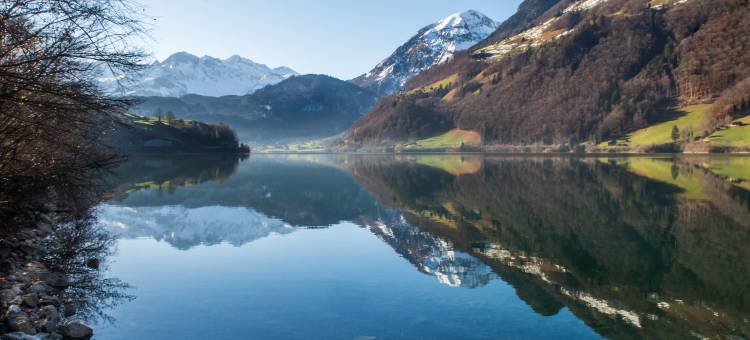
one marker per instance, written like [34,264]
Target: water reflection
[80,251]
[430,254]
[634,247]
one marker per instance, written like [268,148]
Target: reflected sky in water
[429,247]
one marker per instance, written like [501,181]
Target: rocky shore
[33,296]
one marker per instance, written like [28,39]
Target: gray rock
[49,312]
[18,287]
[49,336]
[7,267]
[7,295]
[19,336]
[76,330]
[51,318]
[21,323]
[49,300]
[13,311]
[49,325]
[17,300]
[69,309]
[39,288]
[31,300]
[56,280]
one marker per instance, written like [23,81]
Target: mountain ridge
[183,73]
[298,108]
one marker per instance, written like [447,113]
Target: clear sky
[342,38]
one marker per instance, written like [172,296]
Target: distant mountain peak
[467,19]
[181,57]
[432,45]
[184,73]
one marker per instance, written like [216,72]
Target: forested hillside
[298,108]
[131,134]
[581,72]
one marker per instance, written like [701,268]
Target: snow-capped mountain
[183,73]
[184,227]
[430,254]
[433,45]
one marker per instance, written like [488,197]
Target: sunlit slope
[736,135]
[689,124]
[440,84]
[453,139]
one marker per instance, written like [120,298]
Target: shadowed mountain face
[635,247]
[298,108]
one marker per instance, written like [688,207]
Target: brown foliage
[733,103]
[613,74]
[413,115]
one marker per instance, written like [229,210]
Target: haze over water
[431,246]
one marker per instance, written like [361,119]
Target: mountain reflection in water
[634,247]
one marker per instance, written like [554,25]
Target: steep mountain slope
[298,108]
[584,71]
[183,73]
[527,13]
[434,44]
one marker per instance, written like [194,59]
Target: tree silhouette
[675,133]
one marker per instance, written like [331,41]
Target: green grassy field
[662,133]
[737,135]
[436,85]
[453,139]
[692,120]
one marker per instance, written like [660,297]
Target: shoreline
[32,294]
[497,153]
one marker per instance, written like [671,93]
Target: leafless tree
[51,113]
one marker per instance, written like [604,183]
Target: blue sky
[342,38]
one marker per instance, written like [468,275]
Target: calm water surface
[454,246]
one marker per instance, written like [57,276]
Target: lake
[430,246]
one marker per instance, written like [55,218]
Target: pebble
[31,300]
[76,330]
